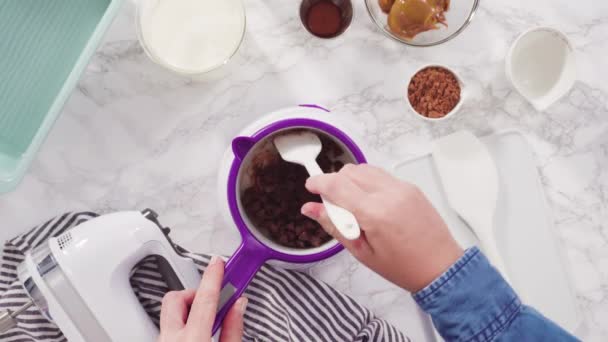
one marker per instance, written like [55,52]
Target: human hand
[403,237]
[188,315]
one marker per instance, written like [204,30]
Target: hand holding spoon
[303,148]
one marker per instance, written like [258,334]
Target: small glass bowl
[346,9]
[458,17]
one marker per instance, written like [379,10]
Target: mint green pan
[44,47]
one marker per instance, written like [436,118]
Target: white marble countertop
[134,136]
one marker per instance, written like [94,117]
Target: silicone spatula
[470,182]
[303,148]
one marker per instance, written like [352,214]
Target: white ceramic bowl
[453,111]
[541,66]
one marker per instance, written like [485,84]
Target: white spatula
[303,148]
[470,181]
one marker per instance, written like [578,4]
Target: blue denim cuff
[470,301]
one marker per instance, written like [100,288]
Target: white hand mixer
[80,279]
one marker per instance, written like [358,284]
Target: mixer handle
[179,272]
[174,283]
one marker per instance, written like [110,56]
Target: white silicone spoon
[303,148]
[470,181]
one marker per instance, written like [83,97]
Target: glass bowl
[458,17]
[146,8]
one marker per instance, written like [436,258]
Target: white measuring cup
[540,65]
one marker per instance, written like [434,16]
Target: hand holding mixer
[80,279]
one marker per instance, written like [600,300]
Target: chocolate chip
[274,200]
[337,165]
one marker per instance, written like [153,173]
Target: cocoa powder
[324,19]
[433,92]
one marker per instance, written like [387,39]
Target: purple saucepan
[256,248]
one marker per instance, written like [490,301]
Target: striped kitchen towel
[283,305]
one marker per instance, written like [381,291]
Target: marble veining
[132,135]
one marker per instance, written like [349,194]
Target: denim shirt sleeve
[472,302]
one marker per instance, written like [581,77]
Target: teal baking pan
[44,47]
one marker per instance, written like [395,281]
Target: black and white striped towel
[283,305]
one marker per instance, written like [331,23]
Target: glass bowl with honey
[422,22]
